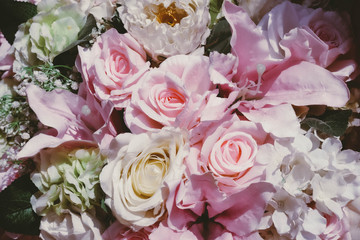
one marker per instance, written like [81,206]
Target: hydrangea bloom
[67,176]
[42,37]
[314,180]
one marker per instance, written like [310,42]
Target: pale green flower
[67,179]
[48,33]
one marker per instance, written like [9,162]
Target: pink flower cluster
[227,107]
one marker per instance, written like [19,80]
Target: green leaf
[12,14]
[116,23]
[68,55]
[332,122]
[219,39]
[215,9]
[85,32]
[16,213]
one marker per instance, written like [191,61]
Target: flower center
[170,15]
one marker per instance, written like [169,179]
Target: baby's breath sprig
[17,121]
[18,124]
[48,77]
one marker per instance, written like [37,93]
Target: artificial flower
[72,226]
[69,119]
[166,28]
[313,35]
[112,67]
[197,205]
[179,86]
[67,177]
[228,149]
[303,169]
[44,36]
[181,119]
[265,84]
[139,166]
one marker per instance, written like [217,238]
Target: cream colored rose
[138,170]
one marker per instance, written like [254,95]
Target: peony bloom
[166,28]
[67,177]
[44,36]
[112,67]
[139,166]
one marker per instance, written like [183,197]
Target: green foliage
[219,39]
[332,122]
[116,23]
[215,9]
[15,209]
[12,14]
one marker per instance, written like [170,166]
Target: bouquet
[179,119]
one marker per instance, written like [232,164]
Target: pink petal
[248,43]
[241,212]
[304,83]
[268,117]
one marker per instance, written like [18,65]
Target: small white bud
[25,136]
[15,104]
[86,110]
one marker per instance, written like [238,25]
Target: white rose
[139,169]
[166,28]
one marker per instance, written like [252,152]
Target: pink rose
[312,35]
[277,81]
[112,67]
[264,84]
[181,84]
[228,150]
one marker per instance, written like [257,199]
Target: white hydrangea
[166,28]
[315,179]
